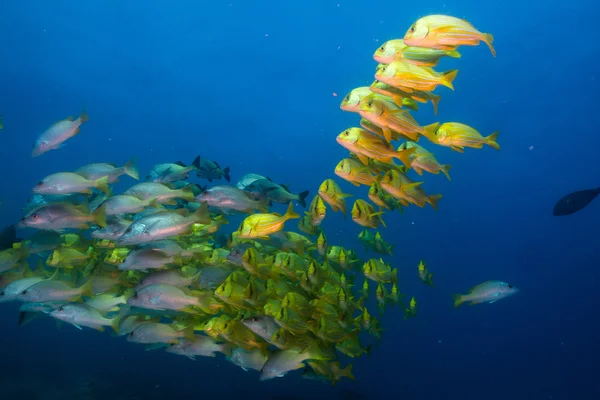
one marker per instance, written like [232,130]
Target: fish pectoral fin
[364,159]
[78,327]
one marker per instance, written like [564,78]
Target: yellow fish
[364,144]
[316,210]
[352,100]
[409,77]
[263,225]
[382,199]
[388,117]
[355,172]
[331,193]
[458,136]
[422,160]
[399,95]
[443,32]
[403,188]
[365,215]
[397,50]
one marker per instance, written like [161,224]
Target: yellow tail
[448,77]
[446,169]
[491,140]
[489,39]
[290,214]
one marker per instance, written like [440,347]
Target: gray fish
[163,225]
[236,254]
[212,277]
[246,360]
[112,172]
[51,290]
[160,296]
[81,315]
[129,323]
[203,346]
[231,198]
[247,180]
[159,333]
[162,193]
[54,137]
[113,230]
[127,204]
[574,202]
[284,361]
[171,172]
[59,216]
[168,277]
[486,292]
[145,259]
[211,170]
[12,290]
[262,325]
[275,192]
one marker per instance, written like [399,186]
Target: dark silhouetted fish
[575,201]
[7,237]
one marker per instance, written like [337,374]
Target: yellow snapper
[397,50]
[316,210]
[365,144]
[409,77]
[332,194]
[365,215]
[423,160]
[444,32]
[457,136]
[398,95]
[263,225]
[356,172]
[403,188]
[388,117]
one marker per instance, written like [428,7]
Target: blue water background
[251,84]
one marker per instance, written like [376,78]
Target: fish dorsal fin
[180,164]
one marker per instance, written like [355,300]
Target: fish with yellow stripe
[262,225]
[332,194]
[397,50]
[403,188]
[457,136]
[422,160]
[366,145]
[409,77]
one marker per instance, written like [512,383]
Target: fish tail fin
[315,352]
[429,131]
[202,216]
[188,333]
[302,198]
[448,77]
[435,100]
[196,163]
[99,216]
[290,214]
[395,275]
[489,39]
[347,372]
[458,300]
[102,184]
[226,174]
[187,192]
[410,104]
[404,156]
[114,324]
[453,53]
[446,170]
[430,279]
[130,168]
[491,140]
[86,289]
[226,348]
[84,117]
[433,199]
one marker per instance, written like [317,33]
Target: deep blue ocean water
[251,84]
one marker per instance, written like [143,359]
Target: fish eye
[346,132]
[24,291]
[237,252]
[35,216]
[2,293]
[131,334]
[382,48]
[510,286]
[61,309]
[412,29]
[370,103]
[40,183]
[347,98]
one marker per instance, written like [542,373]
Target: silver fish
[486,292]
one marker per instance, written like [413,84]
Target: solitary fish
[575,201]
[54,137]
[486,292]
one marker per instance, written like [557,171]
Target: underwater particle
[531,147]
[334,94]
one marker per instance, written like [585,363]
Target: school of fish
[153,265]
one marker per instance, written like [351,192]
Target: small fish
[411,311]
[69,182]
[425,276]
[444,32]
[316,210]
[365,215]
[387,116]
[203,346]
[422,160]
[13,289]
[113,230]
[409,77]
[108,302]
[59,216]
[399,96]
[54,137]
[81,315]
[404,189]
[248,359]
[162,193]
[352,100]
[275,192]
[284,361]
[332,194]
[160,296]
[263,225]
[52,290]
[171,172]
[262,325]
[366,145]
[486,292]
[356,172]
[127,204]
[211,170]
[154,332]
[231,198]
[458,136]
[163,225]
[112,172]
[380,272]
[574,202]
[397,50]
[248,179]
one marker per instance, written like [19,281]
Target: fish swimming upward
[574,202]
